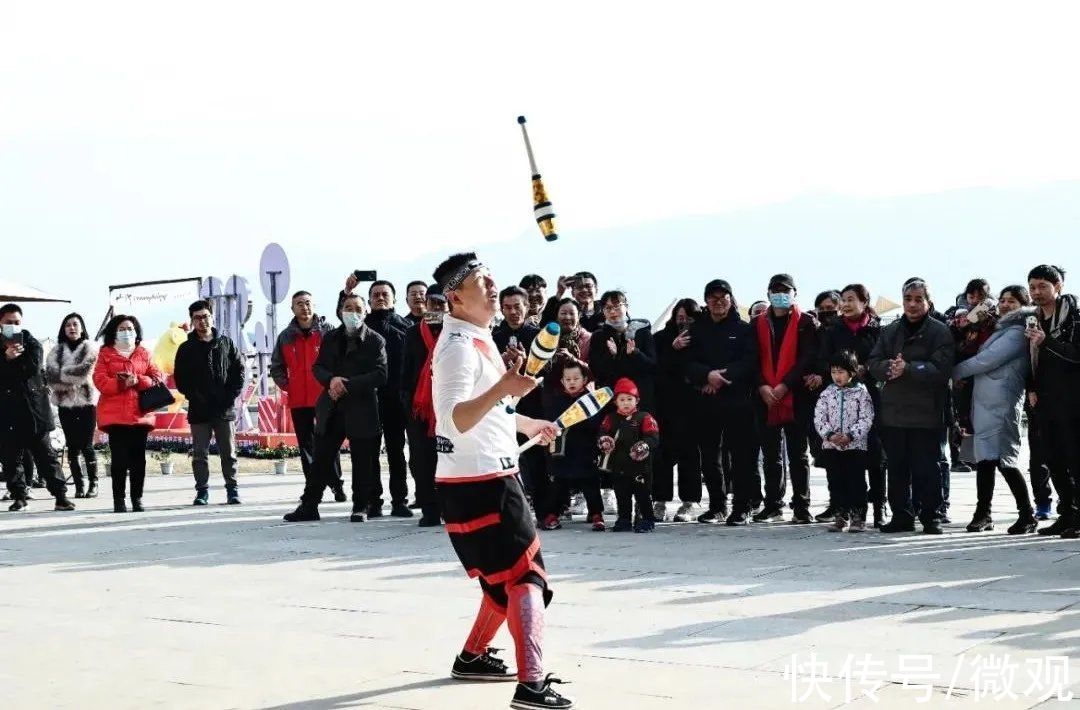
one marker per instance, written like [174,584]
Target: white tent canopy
[12,291]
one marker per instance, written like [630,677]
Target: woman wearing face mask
[1001,368]
[69,370]
[826,310]
[675,403]
[123,370]
[622,347]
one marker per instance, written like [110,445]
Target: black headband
[453,281]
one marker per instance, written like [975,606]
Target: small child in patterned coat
[628,440]
[843,417]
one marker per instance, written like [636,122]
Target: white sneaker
[685,513]
[577,505]
[660,511]
[610,506]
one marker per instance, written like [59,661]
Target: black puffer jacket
[24,398]
[728,345]
[211,375]
[640,366]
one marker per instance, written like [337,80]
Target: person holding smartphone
[25,413]
[1055,343]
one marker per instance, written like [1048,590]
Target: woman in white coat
[69,370]
[1000,369]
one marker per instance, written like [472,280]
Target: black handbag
[155,397]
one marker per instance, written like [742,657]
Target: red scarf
[423,404]
[784,412]
[856,325]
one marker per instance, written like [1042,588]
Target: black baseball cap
[785,280]
[718,285]
[435,291]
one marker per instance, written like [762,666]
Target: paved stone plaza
[229,607]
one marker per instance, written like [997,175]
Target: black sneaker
[400,510]
[62,503]
[429,521]
[339,494]
[302,514]
[897,526]
[484,667]
[358,516]
[932,528]
[1072,533]
[826,516]
[711,516]
[17,505]
[1024,525]
[980,522]
[739,517]
[960,467]
[1056,528]
[527,698]
[801,517]
[374,510]
[769,515]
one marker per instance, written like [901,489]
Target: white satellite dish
[274,273]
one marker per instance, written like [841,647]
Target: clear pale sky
[146,140]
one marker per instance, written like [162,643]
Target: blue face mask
[781,300]
[617,323]
[125,337]
[352,321]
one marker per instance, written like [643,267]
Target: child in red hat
[629,438]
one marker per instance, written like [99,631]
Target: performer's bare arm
[468,414]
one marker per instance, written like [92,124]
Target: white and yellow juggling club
[540,353]
[585,407]
[542,209]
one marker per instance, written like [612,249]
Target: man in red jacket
[295,352]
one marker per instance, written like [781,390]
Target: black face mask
[828,317]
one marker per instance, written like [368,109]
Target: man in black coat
[420,413]
[583,286]
[914,359]
[1056,379]
[392,327]
[514,337]
[352,367]
[785,339]
[25,413]
[719,364]
[210,373]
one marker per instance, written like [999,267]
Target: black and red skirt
[492,530]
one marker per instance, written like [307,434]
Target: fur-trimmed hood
[69,374]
